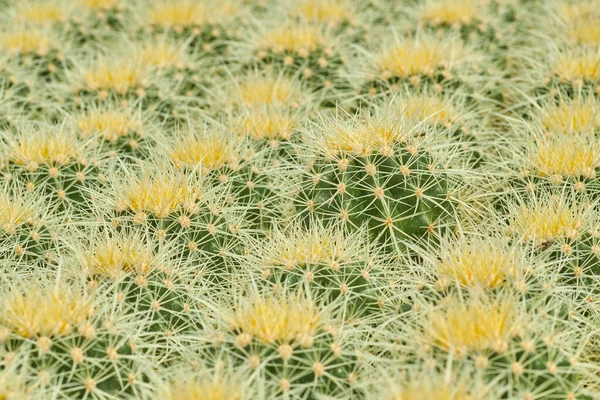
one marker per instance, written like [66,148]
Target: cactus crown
[118,74]
[278,319]
[100,4]
[265,89]
[420,56]
[428,107]
[185,13]
[331,11]
[46,145]
[548,219]
[13,212]
[110,123]
[578,65]
[474,324]
[566,156]
[485,262]
[452,12]
[208,150]
[160,194]
[161,54]
[571,116]
[32,309]
[118,255]
[299,247]
[26,41]
[41,13]
[294,38]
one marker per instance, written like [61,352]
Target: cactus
[51,158]
[506,346]
[119,130]
[146,274]
[37,49]
[310,51]
[375,170]
[228,159]
[334,264]
[207,25]
[291,339]
[178,206]
[28,226]
[445,64]
[62,338]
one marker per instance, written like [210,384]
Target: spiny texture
[299,199]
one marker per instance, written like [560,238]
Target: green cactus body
[291,341]
[53,161]
[58,340]
[28,227]
[334,264]
[179,207]
[394,187]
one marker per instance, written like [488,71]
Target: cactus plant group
[299,199]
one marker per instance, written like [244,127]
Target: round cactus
[380,171]
[65,340]
[332,263]
[294,341]
[51,159]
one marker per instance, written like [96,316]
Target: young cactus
[28,226]
[120,131]
[501,339]
[207,25]
[294,341]
[54,160]
[177,206]
[334,264]
[37,49]
[66,340]
[444,64]
[149,276]
[383,171]
[310,51]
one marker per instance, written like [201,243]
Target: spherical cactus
[223,158]
[265,107]
[557,150]
[294,341]
[37,49]
[472,19]
[121,131]
[562,225]
[176,206]
[29,227]
[67,341]
[150,277]
[125,79]
[379,170]
[208,25]
[570,116]
[334,264]
[444,64]
[175,61]
[570,69]
[83,21]
[52,159]
[503,341]
[310,51]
